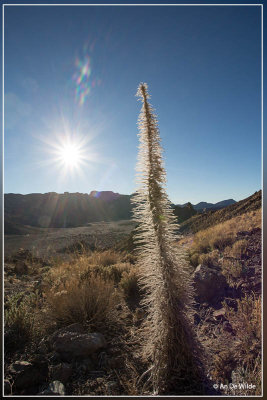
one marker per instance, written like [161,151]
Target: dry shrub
[221,237]
[21,312]
[224,364]
[237,356]
[231,269]
[104,258]
[83,265]
[220,241]
[113,273]
[216,237]
[246,322]
[83,289]
[91,301]
[209,259]
[239,248]
[129,283]
[201,243]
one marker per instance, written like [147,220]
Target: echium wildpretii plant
[169,340]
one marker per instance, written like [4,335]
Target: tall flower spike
[169,341]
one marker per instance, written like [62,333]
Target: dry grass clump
[222,236]
[21,319]
[224,364]
[112,273]
[129,283]
[246,322]
[239,249]
[216,237]
[90,301]
[232,269]
[209,259]
[87,288]
[104,258]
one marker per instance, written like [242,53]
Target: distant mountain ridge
[53,210]
[212,217]
[216,206]
[24,213]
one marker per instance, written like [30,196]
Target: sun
[70,155]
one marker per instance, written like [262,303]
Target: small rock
[71,343]
[55,388]
[242,234]
[61,293]
[19,366]
[209,284]
[76,327]
[219,314]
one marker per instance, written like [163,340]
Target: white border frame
[3,124]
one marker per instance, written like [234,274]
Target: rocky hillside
[210,218]
[227,275]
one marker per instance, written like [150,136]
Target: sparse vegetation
[239,249]
[99,289]
[233,249]
[231,269]
[239,355]
[222,236]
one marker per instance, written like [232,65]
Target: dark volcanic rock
[209,284]
[26,374]
[72,342]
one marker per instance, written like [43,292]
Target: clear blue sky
[74,71]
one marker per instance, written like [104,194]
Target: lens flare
[83,79]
